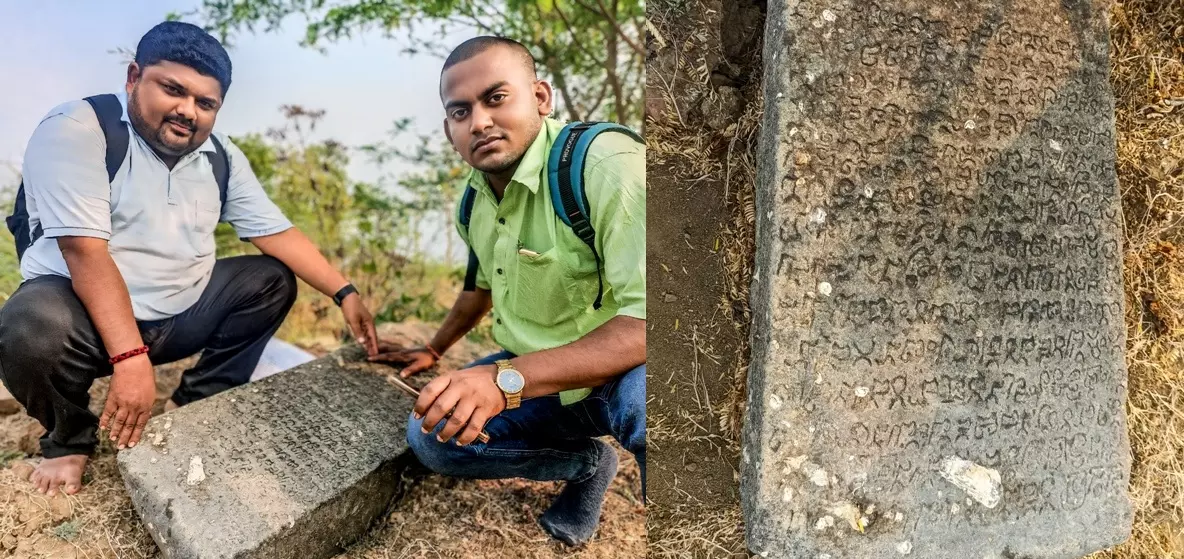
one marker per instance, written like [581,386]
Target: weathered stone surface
[938,320]
[296,465]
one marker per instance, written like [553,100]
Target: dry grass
[1147,38]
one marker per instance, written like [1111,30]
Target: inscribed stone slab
[296,465]
[938,318]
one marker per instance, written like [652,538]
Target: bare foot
[64,472]
[170,406]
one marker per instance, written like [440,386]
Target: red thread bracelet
[128,354]
[432,350]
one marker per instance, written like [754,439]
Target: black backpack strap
[110,112]
[464,216]
[18,224]
[565,172]
[220,161]
[471,272]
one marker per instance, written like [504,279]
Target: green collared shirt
[541,275]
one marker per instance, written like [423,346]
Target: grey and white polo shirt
[159,224]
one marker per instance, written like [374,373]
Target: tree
[591,50]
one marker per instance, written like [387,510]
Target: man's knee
[630,410]
[277,279]
[442,458]
[36,323]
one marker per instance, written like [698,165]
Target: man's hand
[129,400]
[360,323]
[471,395]
[414,360]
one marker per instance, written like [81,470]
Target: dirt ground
[704,114]
[702,100]
[438,517]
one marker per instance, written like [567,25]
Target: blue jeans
[543,440]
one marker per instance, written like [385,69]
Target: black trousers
[50,352]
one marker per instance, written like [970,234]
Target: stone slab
[296,465]
[938,331]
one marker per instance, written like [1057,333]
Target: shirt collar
[530,168]
[206,146]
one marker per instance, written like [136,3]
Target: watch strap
[343,293]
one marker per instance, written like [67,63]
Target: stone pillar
[938,311]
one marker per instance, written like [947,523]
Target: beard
[507,162]
[158,138]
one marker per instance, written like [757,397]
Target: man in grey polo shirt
[122,272]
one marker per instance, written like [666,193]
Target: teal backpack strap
[465,215]
[565,173]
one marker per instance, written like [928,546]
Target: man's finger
[139,430]
[439,408]
[413,368]
[118,423]
[391,356]
[474,427]
[133,419]
[108,412]
[371,338]
[428,395]
[460,418]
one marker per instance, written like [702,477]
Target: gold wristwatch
[510,381]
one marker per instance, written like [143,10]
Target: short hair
[188,44]
[478,45]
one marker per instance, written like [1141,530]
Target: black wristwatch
[343,293]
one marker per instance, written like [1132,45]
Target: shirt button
[499,321]
[501,220]
[499,270]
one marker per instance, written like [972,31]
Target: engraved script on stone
[938,317]
[296,465]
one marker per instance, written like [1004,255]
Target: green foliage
[591,50]
[10,270]
[68,530]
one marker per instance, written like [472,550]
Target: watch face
[510,381]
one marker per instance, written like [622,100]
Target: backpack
[565,173]
[110,113]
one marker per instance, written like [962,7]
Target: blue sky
[58,50]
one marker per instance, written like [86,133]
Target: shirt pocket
[206,216]
[540,288]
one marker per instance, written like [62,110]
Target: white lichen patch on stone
[775,402]
[824,523]
[197,473]
[818,476]
[979,482]
[862,391]
[904,548]
[796,461]
[818,215]
[786,494]
[829,16]
[824,288]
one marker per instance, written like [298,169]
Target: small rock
[22,469]
[8,541]
[60,508]
[8,404]
[670,297]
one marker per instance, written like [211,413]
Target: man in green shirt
[571,370]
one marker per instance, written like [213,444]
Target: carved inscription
[941,269]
